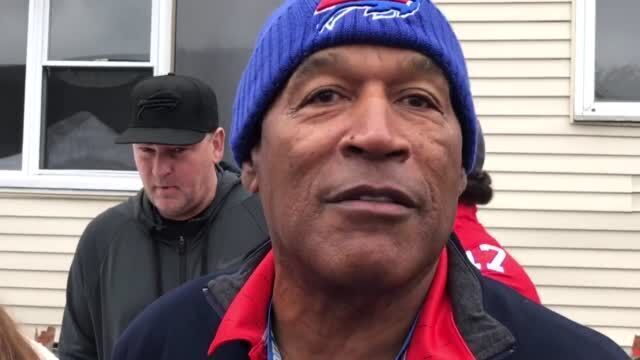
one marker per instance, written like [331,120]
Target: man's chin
[368,270]
[361,278]
[169,209]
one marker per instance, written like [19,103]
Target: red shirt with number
[488,255]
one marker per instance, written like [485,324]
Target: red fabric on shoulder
[489,256]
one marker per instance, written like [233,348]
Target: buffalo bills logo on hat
[333,10]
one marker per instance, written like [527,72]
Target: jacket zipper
[183,262]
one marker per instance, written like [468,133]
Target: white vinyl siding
[38,236]
[567,203]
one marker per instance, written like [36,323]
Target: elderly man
[355,124]
[193,217]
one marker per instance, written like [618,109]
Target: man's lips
[375,195]
[165,188]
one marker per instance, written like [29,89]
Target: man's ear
[463,181]
[249,175]
[217,140]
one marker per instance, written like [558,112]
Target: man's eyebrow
[422,64]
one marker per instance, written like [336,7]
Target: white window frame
[31,175]
[586,108]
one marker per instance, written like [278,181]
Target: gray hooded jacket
[128,256]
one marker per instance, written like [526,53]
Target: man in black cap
[191,218]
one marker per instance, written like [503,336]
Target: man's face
[359,166]
[180,180]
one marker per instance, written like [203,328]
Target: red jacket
[488,255]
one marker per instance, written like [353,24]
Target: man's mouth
[166,188]
[376,195]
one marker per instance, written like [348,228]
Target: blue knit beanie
[300,28]
[478,164]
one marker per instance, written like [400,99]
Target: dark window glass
[617,55]
[214,40]
[13,42]
[84,110]
[115,30]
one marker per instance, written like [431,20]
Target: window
[69,85]
[607,85]
[214,40]
[86,78]
[84,110]
[67,67]
[13,42]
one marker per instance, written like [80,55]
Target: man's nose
[374,132]
[161,165]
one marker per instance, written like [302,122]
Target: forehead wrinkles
[334,60]
[316,63]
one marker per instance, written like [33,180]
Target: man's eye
[418,101]
[323,97]
[178,150]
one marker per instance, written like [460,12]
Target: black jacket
[496,322]
[128,256]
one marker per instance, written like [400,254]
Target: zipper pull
[181,245]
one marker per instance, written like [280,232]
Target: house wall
[38,236]
[567,202]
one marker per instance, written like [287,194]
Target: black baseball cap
[170,110]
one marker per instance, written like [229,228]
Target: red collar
[246,318]
[436,336]
[467,211]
